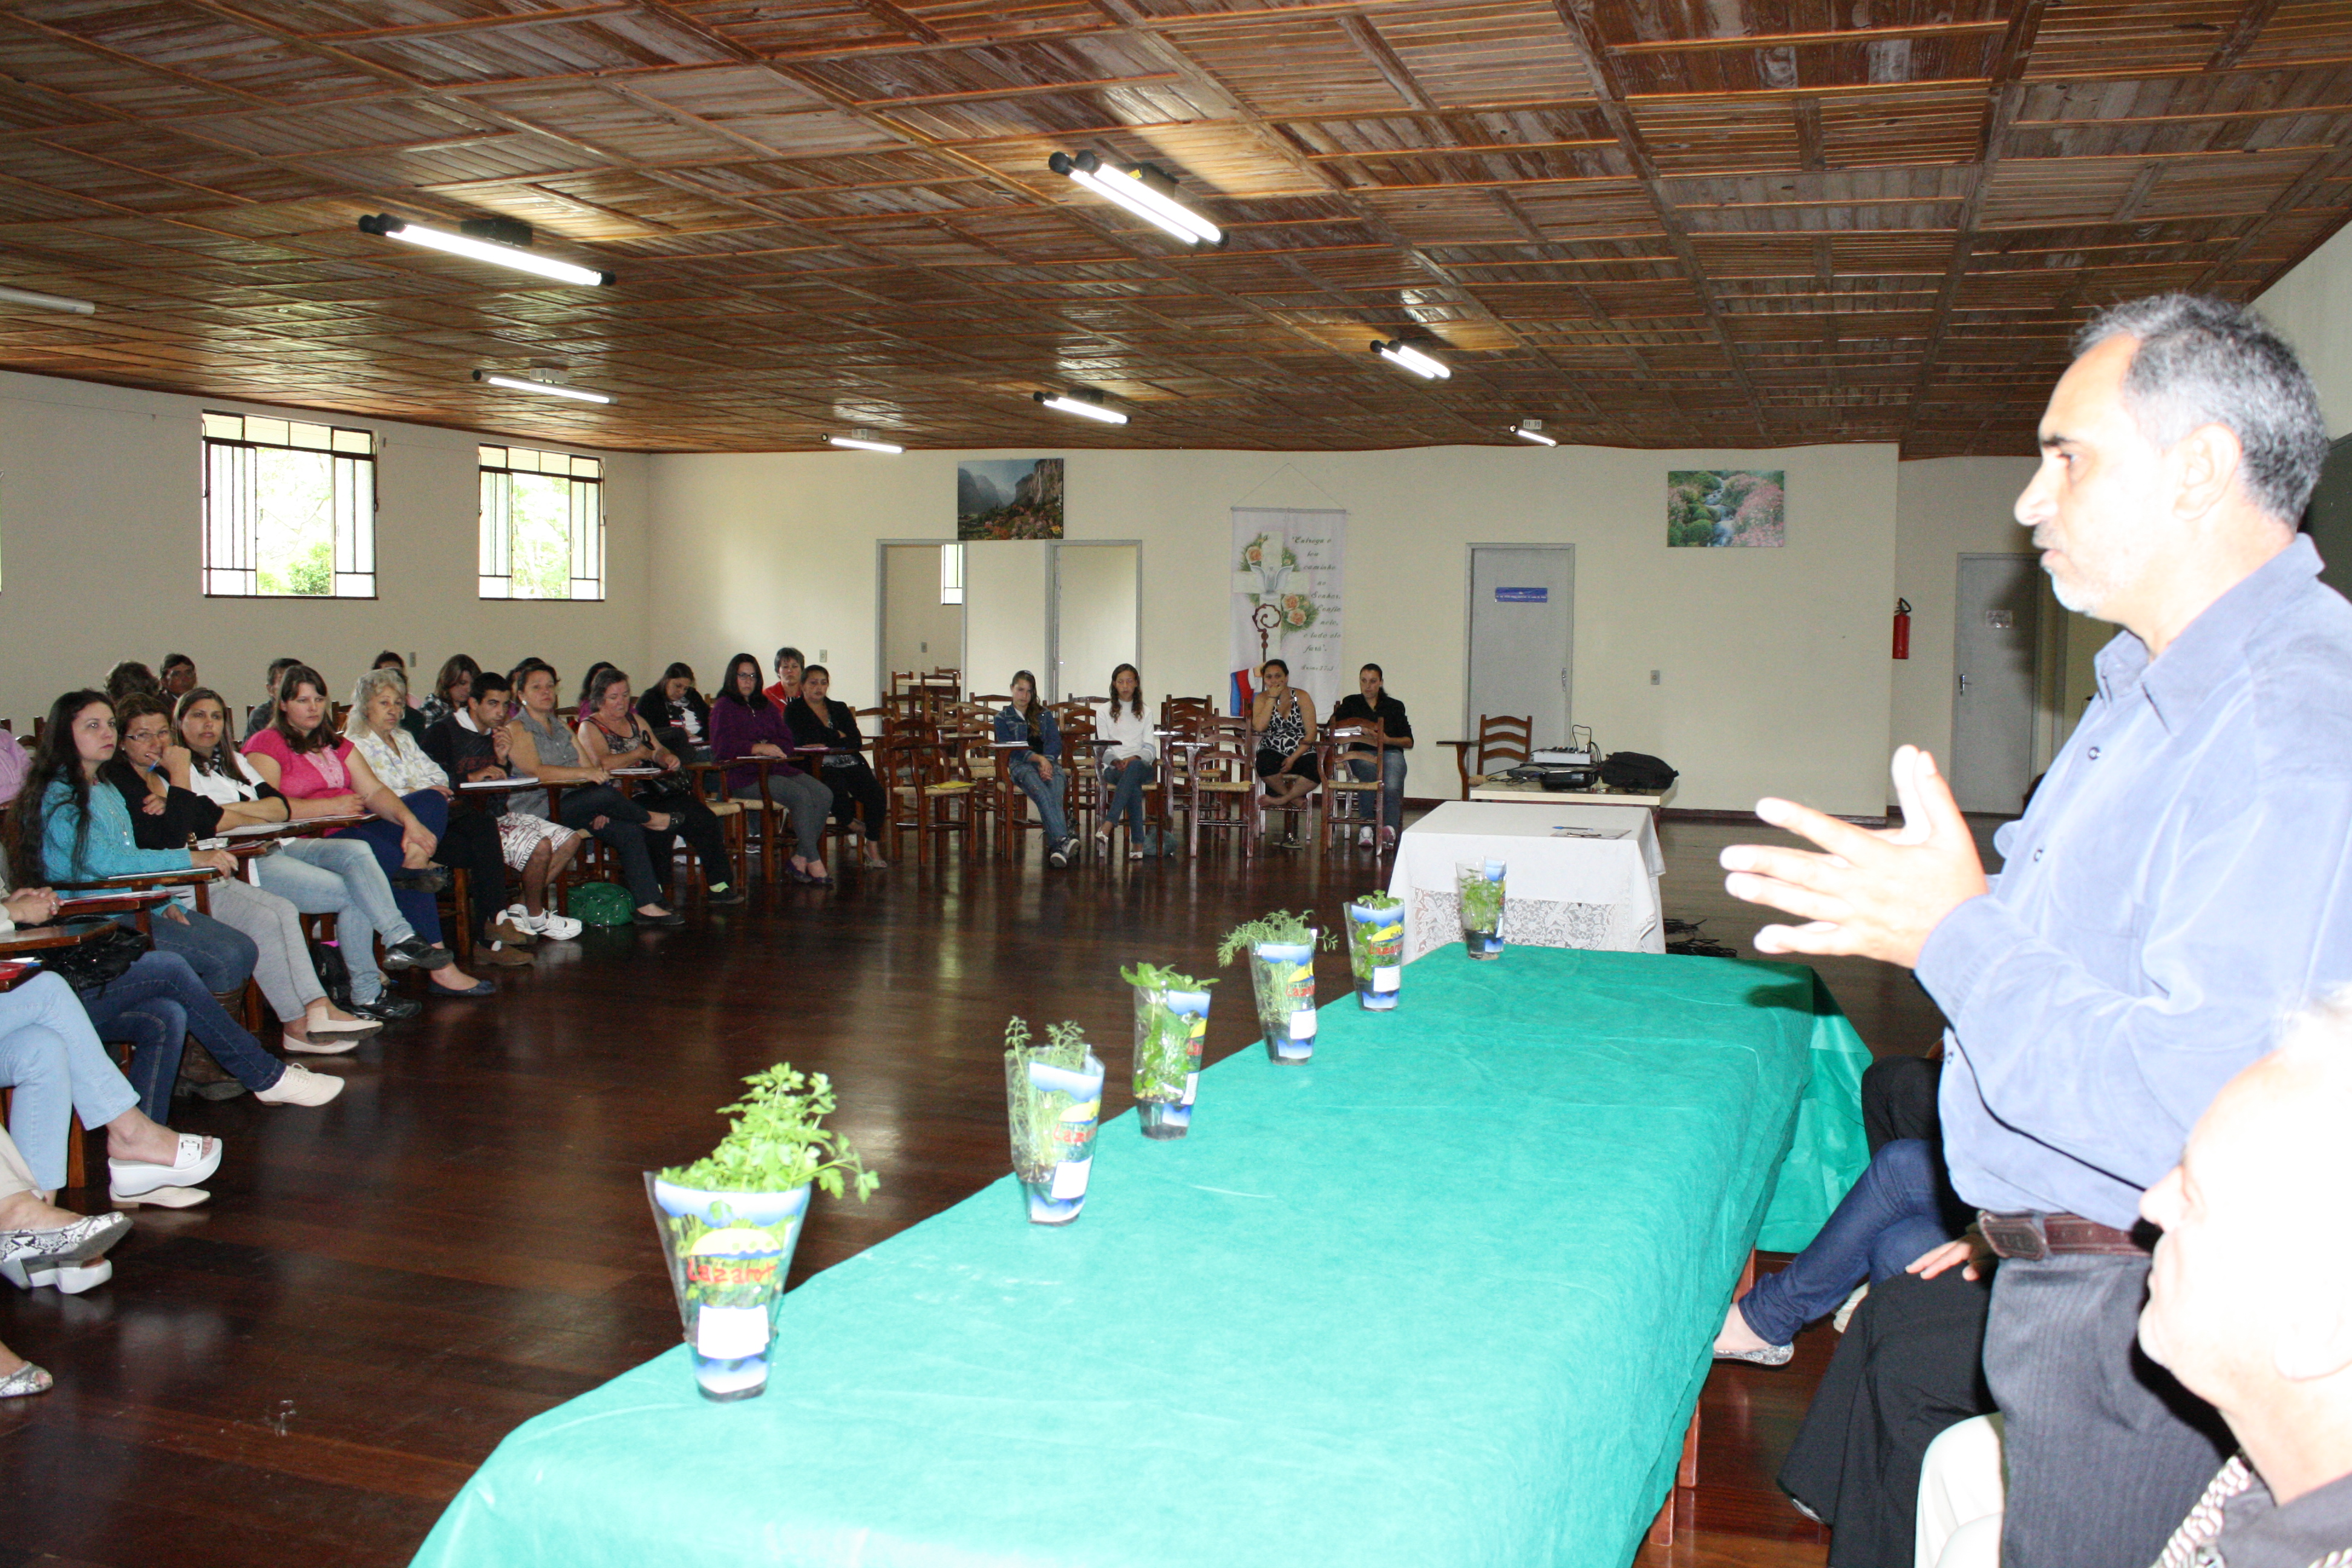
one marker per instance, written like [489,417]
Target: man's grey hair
[363,691]
[2204,361]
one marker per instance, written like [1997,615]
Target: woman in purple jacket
[744,723]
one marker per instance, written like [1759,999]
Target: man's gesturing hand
[1876,895]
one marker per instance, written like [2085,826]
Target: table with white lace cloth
[1595,892]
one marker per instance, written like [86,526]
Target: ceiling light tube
[1081,408]
[1538,436]
[860,443]
[1406,356]
[48,301]
[391,228]
[1129,190]
[516,384]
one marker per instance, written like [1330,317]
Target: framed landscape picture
[1009,498]
[1715,508]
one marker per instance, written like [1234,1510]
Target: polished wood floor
[307,1369]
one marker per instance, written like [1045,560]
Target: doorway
[1098,620]
[923,607]
[1996,644]
[1523,636]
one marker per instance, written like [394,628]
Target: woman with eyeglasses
[745,722]
[541,744]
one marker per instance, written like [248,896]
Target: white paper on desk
[498,783]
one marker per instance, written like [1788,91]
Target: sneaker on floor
[1388,837]
[1059,855]
[555,927]
[300,1086]
[1363,838]
[389,1008]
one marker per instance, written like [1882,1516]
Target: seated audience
[128,677]
[745,723]
[473,746]
[1370,703]
[318,875]
[165,817]
[542,745]
[1035,764]
[451,688]
[1284,720]
[265,713]
[616,736]
[36,1236]
[464,839]
[178,675]
[64,831]
[679,717]
[818,720]
[322,773]
[1130,767]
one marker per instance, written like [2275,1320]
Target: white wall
[1096,617]
[2312,307]
[100,513]
[1775,668]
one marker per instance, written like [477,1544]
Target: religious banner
[1286,596]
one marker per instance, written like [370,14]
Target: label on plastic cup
[1191,1087]
[730,1334]
[1387,976]
[1302,1026]
[1070,1178]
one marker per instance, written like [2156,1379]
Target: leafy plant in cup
[1360,954]
[1037,1115]
[1164,1056]
[1482,905]
[775,1142]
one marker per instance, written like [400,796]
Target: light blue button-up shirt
[2181,883]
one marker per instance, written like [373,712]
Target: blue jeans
[1390,769]
[164,988]
[52,1057]
[1900,1209]
[1128,780]
[222,956]
[340,876]
[1048,796]
[381,834]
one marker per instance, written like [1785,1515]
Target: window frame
[354,556]
[494,560]
[952,566]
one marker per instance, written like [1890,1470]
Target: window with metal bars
[543,525]
[290,509]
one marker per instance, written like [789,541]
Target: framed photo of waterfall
[1715,508]
[1009,498]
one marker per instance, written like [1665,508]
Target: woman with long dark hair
[541,744]
[679,716]
[745,723]
[1036,762]
[1131,764]
[616,736]
[818,720]
[451,688]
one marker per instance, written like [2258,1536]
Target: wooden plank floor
[307,1368]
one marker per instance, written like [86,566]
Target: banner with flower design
[1288,581]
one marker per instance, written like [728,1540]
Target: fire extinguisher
[1902,629]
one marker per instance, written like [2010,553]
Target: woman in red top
[320,773]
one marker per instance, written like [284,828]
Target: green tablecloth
[1443,1296]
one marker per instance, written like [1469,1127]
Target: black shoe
[388,1008]
[664,921]
[423,878]
[728,896]
[417,953]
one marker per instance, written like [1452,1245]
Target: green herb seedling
[1152,977]
[776,1144]
[1035,1115]
[1281,928]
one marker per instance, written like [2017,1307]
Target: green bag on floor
[601,904]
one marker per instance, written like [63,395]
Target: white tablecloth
[1589,892]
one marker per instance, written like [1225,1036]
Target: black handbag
[1636,770]
[90,967]
[334,973]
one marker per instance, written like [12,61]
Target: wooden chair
[1503,741]
[925,797]
[1080,756]
[1340,785]
[1222,791]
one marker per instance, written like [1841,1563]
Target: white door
[1005,610]
[1522,635]
[922,627]
[1995,638]
[1097,615]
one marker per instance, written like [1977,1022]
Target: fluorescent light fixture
[1405,355]
[511,256]
[1532,430]
[516,384]
[861,443]
[48,301]
[1132,189]
[1082,407]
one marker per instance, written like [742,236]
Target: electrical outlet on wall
[1653,677]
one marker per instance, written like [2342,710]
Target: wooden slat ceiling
[1648,222]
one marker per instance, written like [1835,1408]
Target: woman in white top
[338,876]
[467,838]
[1130,765]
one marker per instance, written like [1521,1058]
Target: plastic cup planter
[728,1254]
[1170,1027]
[1054,1111]
[1376,952]
[1479,886]
[1282,974]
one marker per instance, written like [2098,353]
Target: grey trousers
[805,801]
[282,968]
[2106,1453]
